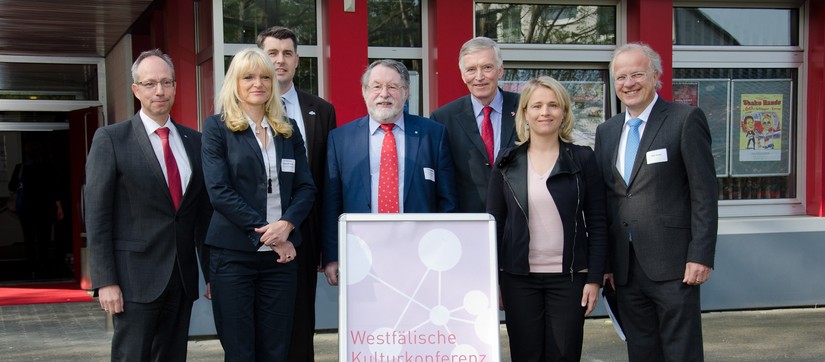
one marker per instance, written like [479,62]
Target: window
[546,24]
[571,43]
[306,76]
[394,23]
[588,95]
[742,67]
[394,32]
[244,19]
[751,117]
[737,27]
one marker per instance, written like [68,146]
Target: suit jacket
[468,151]
[319,119]
[236,180]
[347,188]
[669,207]
[134,233]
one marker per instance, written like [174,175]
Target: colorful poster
[418,287]
[760,127]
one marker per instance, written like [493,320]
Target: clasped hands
[275,235]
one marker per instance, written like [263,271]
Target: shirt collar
[253,126]
[497,103]
[374,125]
[291,96]
[151,126]
[645,114]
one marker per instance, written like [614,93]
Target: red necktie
[388,175]
[172,173]
[487,133]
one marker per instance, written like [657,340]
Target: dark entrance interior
[35,208]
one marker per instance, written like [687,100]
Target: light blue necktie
[631,147]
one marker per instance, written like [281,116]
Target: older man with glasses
[403,159]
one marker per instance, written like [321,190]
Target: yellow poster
[760,127]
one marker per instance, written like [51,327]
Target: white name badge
[657,156]
[288,165]
[429,174]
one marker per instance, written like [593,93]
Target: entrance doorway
[35,206]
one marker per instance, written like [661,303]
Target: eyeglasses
[391,88]
[486,69]
[637,77]
[151,84]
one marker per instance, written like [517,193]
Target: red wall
[657,34]
[815,133]
[451,24]
[170,26]
[346,58]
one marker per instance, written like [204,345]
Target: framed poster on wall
[762,127]
[420,287]
[711,95]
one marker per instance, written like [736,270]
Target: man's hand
[331,271]
[609,280]
[111,299]
[590,295]
[696,274]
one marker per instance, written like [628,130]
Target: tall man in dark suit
[660,179]
[315,117]
[146,212]
[479,124]
[386,162]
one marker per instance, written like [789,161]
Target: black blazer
[134,233]
[319,120]
[670,207]
[578,192]
[236,180]
[472,169]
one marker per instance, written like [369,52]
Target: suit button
[629,196]
[625,224]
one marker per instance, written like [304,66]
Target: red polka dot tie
[388,175]
[172,172]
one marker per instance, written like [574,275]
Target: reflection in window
[546,24]
[42,81]
[244,19]
[394,23]
[749,172]
[588,95]
[720,26]
[306,76]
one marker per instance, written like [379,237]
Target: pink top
[546,231]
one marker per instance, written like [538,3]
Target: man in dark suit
[469,119]
[315,117]
[660,179]
[357,168]
[146,212]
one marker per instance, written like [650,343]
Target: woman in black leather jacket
[548,201]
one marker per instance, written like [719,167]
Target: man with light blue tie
[387,162]
[660,179]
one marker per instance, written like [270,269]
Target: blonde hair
[244,62]
[566,129]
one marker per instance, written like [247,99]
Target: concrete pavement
[77,332]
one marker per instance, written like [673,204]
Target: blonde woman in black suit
[259,184]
